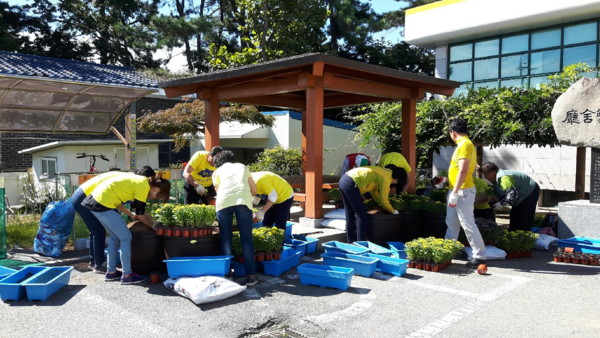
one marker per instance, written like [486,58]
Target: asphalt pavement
[517,298]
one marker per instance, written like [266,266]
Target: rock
[576,114]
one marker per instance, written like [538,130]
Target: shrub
[283,162]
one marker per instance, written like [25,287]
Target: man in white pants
[459,211]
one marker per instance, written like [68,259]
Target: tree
[13,21]
[186,120]
[398,18]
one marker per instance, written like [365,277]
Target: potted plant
[236,246]
[164,215]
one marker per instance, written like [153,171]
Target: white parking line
[365,302]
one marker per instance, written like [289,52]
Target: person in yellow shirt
[111,195]
[197,173]
[397,161]
[280,196]
[482,205]
[461,196]
[357,182]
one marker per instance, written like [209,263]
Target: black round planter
[435,225]
[384,228]
[412,225]
[147,253]
[192,246]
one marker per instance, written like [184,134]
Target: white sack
[203,290]
[492,253]
[336,214]
[544,242]
[332,223]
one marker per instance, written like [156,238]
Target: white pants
[462,215]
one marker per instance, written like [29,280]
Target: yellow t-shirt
[231,182]
[396,159]
[481,187]
[464,149]
[91,184]
[267,181]
[122,189]
[375,180]
[203,171]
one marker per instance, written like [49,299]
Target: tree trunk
[199,39]
[332,28]
[180,5]
[263,36]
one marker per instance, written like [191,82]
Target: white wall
[551,168]
[451,21]
[12,187]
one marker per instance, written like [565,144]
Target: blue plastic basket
[4,272]
[118,256]
[289,260]
[335,246]
[239,269]
[374,248]
[581,244]
[362,265]
[398,249]
[311,246]
[325,276]
[48,282]
[12,288]
[198,266]
[296,245]
[288,228]
[393,266]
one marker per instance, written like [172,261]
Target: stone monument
[576,121]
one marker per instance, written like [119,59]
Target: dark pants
[97,231]
[278,214]
[190,196]
[243,215]
[522,215]
[485,213]
[356,212]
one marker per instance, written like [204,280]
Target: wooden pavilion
[310,83]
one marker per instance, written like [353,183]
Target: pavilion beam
[261,88]
[211,124]
[352,100]
[409,139]
[276,101]
[367,88]
[313,148]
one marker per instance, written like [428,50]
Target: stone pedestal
[311,222]
[578,218]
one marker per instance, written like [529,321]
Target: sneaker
[474,263]
[251,280]
[133,278]
[112,276]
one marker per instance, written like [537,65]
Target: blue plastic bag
[55,228]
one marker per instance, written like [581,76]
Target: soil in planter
[192,247]
[139,226]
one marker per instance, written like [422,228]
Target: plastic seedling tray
[5,272]
[198,266]
[393,266]
[12,288]
[289,260]
[362,265]
[581,243]
[296,245]
[312,243]
[288,228]
[326,276]
[48,282]
[239,269]
[335,246]
[374,248]
[398,249]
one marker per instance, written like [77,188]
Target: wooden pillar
[313,147]
[211,125]
[409,139]
[580,174]
[131,138]
[304,142]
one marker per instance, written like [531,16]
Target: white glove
[498,205]
[256,200]
[395,212]
[200,190]
[452,199]
[259,215]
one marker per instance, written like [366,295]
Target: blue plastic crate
[288,228]
[398,249]
[48,282]
[335,246]
[374,248]
[362,265]
[12,288]
[393,266]
[4,272]
[118,256]
[289,260]
[239,269]
[296,245]
[311,245]
[325,276]
[198,266]
[581,244]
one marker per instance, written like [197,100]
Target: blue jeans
[278,214]
[243,215]
[97,231]
[356,212]
[117,228]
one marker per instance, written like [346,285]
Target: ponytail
[163,184]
